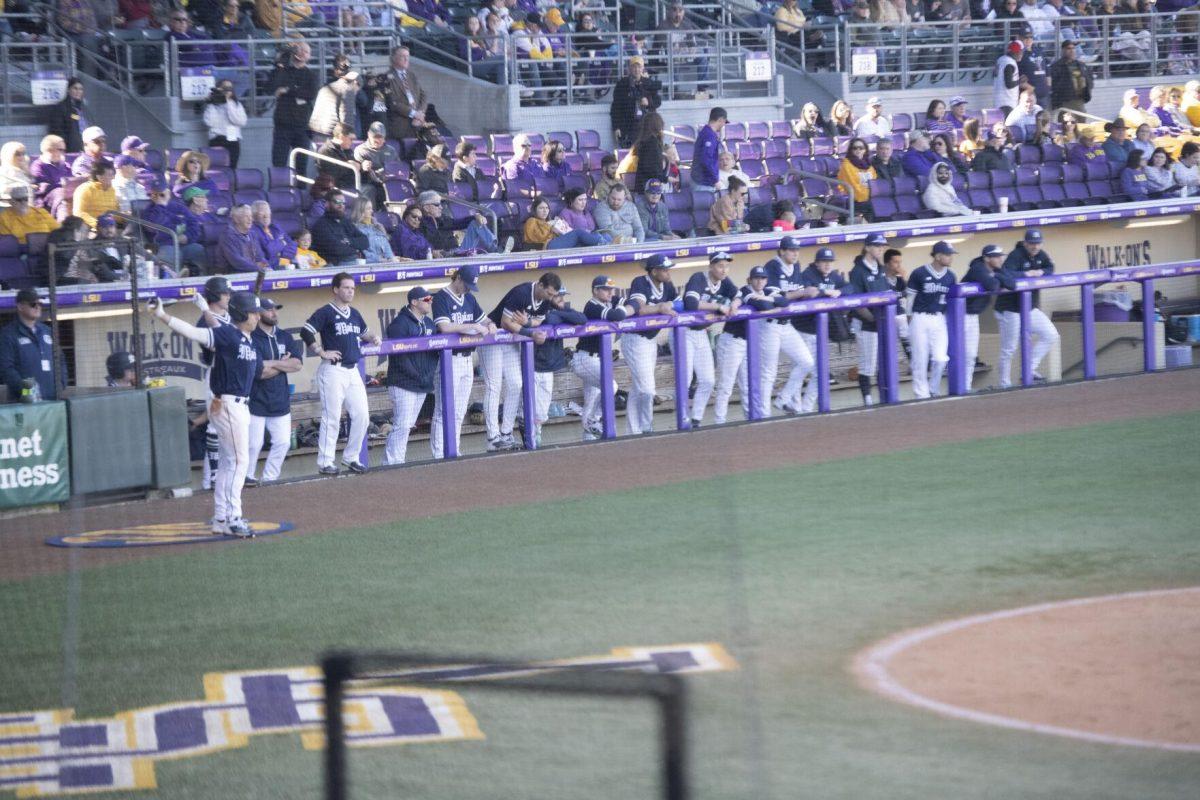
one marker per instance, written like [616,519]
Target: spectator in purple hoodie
[49,170]
[520,166]
[575,214]
[275,244]
[919,158]
[407,241]
[553,163]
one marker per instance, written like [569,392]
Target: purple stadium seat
[501,146]
[1053,195]
[686,150]
[904,184]
[899,141]
[402,169]
[702,201]
[880,187]
[279,178]
[576,180]
[683,130]
[1076,192]
[680,222]
[822,146]
[218,157]
[562,137]
[247,178]
[398,191]
[753,169]
[1099,191]
[574,161]
[678,201]
[537,140]
[909,205]
[1001,178]
[1095,171]
[14,273]
[284,200]
[590,140]
[248,196]
[549,187]
[958,182]
[1052,173]
[480,142]
[814,187]
[760,195]
[758,130]
[777,166]
[1072,173]
[787,191]
[487,166]
[902,122]
[700,221]
[980,200]
[919,119]
[1026,176]
[774,148]
[1029,196]
[884,209]
[489,187]
[519,188]
[979,180]
[734,131]
[1053,152]
[747,150]
[1116,192]
[779,129]
[290,221]
[462,190]
[830,164]
[1029,154]
[1114,169]
[841,144]
[1008,191]
[212,231]
[799,148]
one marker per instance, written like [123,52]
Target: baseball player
[122,373]
[236,364]
[706,291]
[521,311]
[986,270]
[780,335]
[270,398]
[455,310]
[868,276]
[1027,260]
[928,287]
[342,329]
[731,344]
[548,358]
[893,267]
[216,293]
[410,376]
[649,294]
[820,275]
[604,304]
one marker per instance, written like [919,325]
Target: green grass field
[792,570]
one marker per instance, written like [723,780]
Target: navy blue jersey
[979,273]
[520,298]
[206,354]
[269,397]
[1019,261]
[236,364]
[339,330]
[643,292]
[775,299]
[549,356]
[784,277]
[700,289]
[825,284]
[450,309]
[865,280]
[613,311]
[929,290]
[414,372]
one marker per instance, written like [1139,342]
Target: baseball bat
[258,281]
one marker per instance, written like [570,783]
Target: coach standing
[410,376]
[270,398]
[985,271]
[1027,260]
[27,349]
[295,87]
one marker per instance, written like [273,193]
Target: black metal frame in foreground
[667,691]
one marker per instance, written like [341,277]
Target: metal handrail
[837,181]
[154,226]
[487,212]
[350,165]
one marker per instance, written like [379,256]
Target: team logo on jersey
[45,753]
[151,535]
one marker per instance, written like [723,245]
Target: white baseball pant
[868,352]
[406,406]
[501,365]
[1043,332]
[211,447]
[463,378]
[280,429]
[543,388]
[902,326]
[699,359]
[233,461]
[790,345]
[970,345]
[641,354]
[587,367]
[929,339]
[340,386]
[731,366]
[807,401]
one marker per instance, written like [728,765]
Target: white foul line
[872,665]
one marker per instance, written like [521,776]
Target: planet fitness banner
[33,455]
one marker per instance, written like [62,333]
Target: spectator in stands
[407,239]
[619,218]
[66,258]
[1008,9]
[944,150]
[841,119]
[575,214]
[295,88]
[1086,149]
[857,171]
[192,169]
[465,167]
[1042,132]
[135,148]
[22,218]
[1070,80]
[608,177]
[306,257]
[679,37]
[708,145]
[106,262]
[49,171]
[1068,128]
[196,211]
[1159,179]
[991,157]
[1007,77]
[937,120]
[169,213]
[1168,113]
[235,23]
[94,141]
[277,247]
[336,102]
[320,187]
[191,53]
[373,156]
[727,168]
[919,158]
[126,185]
[27,350]
[553,163]
[1024,115]
[1190,104]
[1143,141]
[541,233]
[534,51]
[1133,178]
[1186,170]
[890,12]
[269,15]
[1032,67]
[138,14]
[885,162]
[728,213]
[341,148]
[71,117]
[652,160]
[1131,40]
[498,8]
[225,116]
[973,140]
[434,174]
[810,124]
[405,99]
[940,197]
[14,168]
[873,123]
[790,26]
[237,250]
[439,231]
[634,95]
[336,238]
[97,196]
[656,221]
[958,112]
[77,18]
[379,249]
[520,165]
[1117,146]
[1133,113]
[483,47]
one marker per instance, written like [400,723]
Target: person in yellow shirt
[789,23]
[96,197]
[22,218]
[1191,102]
[856,170]
[306,257]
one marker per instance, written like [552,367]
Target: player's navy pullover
[1019,261]
[863,281]
[269,397]
[737,327]
[929,290]
[339,330]
[549,357]
[979,273]
[450,309]
[812,276]
[236,364]
[413,372]
[642,292]
[700,289]
[614,311]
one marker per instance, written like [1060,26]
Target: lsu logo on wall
[46,753]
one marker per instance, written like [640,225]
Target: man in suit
[406,100]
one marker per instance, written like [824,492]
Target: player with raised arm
[215,293]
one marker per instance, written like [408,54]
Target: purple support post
[364,456]
[1148,325]
[446,390]
[528,402]
[960,370]
[607,399]
[1087,316]
[1026,344]
[889,359]
[753,389]
[822,357]
[679,345]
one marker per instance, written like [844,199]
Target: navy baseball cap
[418,293]
[720,255]
[106,221]
[468,274]
[603,282]
[1033,236]
[944,248]
[992,250]
[268,304]
[125,161]
[824,254]
[659,261]
[789,243]
[159,185]
[654,187]
[877,239]
[758,272]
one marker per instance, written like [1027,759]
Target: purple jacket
[578,221]
[178,187]
[238,252]
[918,162]
[274,244]
[410,244]
[172,216]
[704,158]
[49,177]
[540,170]
[82,165]
[514,168]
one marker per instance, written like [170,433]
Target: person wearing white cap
[94,140]
[958,111]
[520,165]
[873,123]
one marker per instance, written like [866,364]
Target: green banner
[33,455]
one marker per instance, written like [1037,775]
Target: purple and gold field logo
[154,535]
[48,753]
